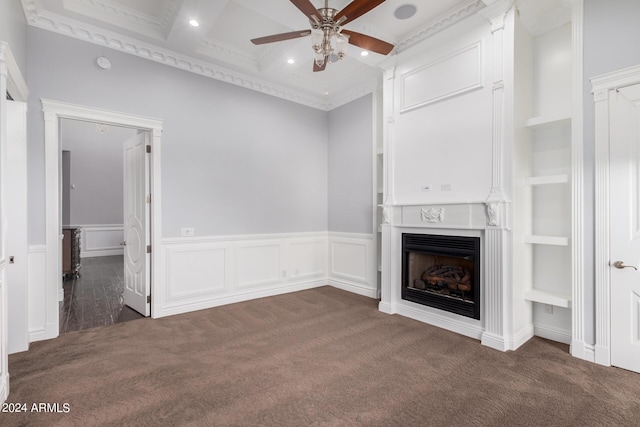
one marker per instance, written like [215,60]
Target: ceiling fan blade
[281,37]
[307,8]
[356,9]
[324,65]
[368,43]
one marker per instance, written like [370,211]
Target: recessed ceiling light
[194,23]
[405,11]
[364,53]
[291,61]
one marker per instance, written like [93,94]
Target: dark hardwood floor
[96,298]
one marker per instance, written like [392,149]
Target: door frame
[53,112]
[601,87]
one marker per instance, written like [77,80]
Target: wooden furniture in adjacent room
[71,252]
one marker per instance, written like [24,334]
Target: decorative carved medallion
[432,215]
[385,215]
[493,214]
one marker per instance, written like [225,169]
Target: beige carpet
[319,357]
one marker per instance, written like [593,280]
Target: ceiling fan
[328,38]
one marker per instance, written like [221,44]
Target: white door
[136,225]
[16,215]
[625,226]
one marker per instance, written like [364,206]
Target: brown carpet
[319,357]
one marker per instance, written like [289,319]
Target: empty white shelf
[547,179]
[547,240]
[543,122]
[551,298]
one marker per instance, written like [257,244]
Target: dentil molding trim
[443,21]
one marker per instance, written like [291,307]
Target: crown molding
[88,33]
[121,12]
[447,19]
[125,17]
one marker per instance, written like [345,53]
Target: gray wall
[350,167]
[234,161]
[96,172]
[611,42]
[13,30]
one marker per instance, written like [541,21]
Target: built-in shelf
[543,122]
[550,298]
[547,179]
[547,240]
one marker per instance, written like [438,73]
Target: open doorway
[147,239]
[92,219]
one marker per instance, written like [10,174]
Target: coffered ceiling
[220,46]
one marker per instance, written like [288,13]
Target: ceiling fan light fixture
[317,38]
[342,45]
[318,57]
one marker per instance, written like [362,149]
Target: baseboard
[522,337]
[386,308]
[4,387]
[602,355]
[355,288]
[238,296]
[37,335]
[495,342]
[552,334]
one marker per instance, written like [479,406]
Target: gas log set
[445,280]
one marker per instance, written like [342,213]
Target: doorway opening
[92,205]
[142,217]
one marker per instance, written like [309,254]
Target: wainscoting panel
[200,269]
[307,258]
[205,272]
[352,263]
[259,263]
[101,240]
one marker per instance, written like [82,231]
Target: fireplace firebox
[442,272]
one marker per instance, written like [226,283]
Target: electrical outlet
[296,272]
[187,232]
[284,273]
[548,309]
[445,187]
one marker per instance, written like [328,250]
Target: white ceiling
[220,47]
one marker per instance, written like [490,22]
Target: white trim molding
[601,87]
[577,183]
[53,112]
[16,84]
